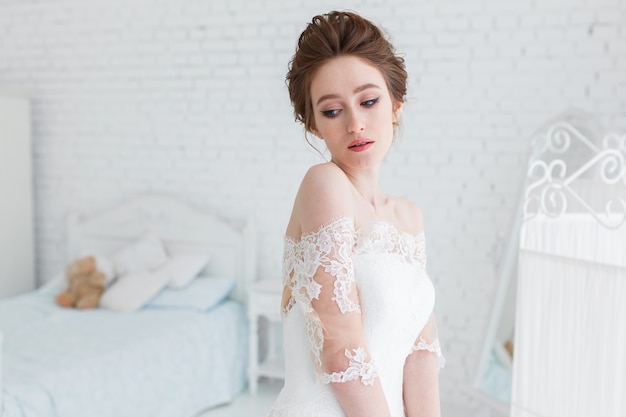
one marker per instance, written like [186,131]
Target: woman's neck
[365,182]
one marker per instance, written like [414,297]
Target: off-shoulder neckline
[357,230]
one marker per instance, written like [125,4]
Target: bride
[359,334]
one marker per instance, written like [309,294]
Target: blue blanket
[97,363]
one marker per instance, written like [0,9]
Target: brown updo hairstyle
[335,34]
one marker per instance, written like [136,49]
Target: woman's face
[354,112]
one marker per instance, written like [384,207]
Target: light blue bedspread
[156,362]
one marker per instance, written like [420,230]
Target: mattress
[98,363]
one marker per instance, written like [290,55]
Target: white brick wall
[188,97]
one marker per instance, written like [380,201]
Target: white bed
[162,360]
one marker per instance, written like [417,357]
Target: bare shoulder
[324,195]
[322,174]
[409,215]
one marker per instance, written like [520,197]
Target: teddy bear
[85,284]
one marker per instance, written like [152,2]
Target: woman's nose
[356,122]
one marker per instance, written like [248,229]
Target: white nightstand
[264,298]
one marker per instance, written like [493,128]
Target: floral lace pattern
[331,247]
[358,367]
[383,237]
[433,347]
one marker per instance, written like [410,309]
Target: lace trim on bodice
[383,237]
[332,247]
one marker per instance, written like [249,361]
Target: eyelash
[335,112]
[372,101]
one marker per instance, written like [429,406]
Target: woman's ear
[397,111]
[316,133]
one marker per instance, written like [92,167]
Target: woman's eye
[331,113]
[370,102]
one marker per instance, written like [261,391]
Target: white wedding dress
[395,300]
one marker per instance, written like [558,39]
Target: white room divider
[570,331]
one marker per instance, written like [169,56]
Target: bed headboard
[229,242]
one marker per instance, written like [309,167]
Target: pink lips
[360,145]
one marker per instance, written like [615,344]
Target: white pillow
[183,267]
[130,292]
[144,254]
[104,265]
[202,294]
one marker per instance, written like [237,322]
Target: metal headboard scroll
[551,186]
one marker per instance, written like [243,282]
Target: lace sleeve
[319,271]
[420,389]
[428,340]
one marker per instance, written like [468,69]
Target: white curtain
[570,337]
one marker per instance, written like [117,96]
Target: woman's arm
[421,368]
[338,345]
[345,360]
[421,375]
[421,385]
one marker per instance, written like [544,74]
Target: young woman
[359,337]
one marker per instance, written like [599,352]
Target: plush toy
[85,284]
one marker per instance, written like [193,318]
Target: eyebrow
[356,90]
